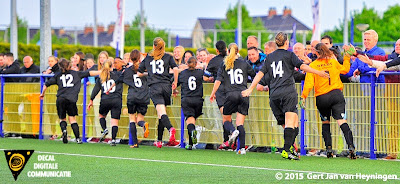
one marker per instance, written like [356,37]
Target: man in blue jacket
[358,67]
[255,59]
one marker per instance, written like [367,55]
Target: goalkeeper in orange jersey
[329,96]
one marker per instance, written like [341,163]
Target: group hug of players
[151,79]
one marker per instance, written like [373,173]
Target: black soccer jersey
[158,70]
[69,83]
[213,66]
[192,83]
[235,79]
[115,92]
[279,66]
[138,89]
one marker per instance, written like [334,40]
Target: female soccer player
[111,99]
[329,96]
[157,65]
[191,80]
[69,85]
[234,74]
[279,67]
[138,97]
[210,75]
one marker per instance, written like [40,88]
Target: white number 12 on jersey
[277,69]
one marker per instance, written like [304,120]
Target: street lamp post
[362,28]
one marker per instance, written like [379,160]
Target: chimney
[88,29]
[271,12]
[287,11]
[110,29]
[100,29]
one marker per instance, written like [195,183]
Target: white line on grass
[192,163]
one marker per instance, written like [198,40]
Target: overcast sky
[179,15]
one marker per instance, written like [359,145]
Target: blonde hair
[105,71]
[229,59]
[179,61]
[159,48]
[99,65]
[373,33]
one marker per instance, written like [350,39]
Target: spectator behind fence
[53,65]
[269,47]
[12,67]
[299,51]
[358,67]
[312,55]
[202,58]
[308,47]
[2,65]
[80,59]
[252,41]
[29,68]
[255,59]
[127,59]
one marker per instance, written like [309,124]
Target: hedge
[66,51]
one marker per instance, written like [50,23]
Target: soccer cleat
[146,130]
[104,133]
[329,152]
[113,142]
[194,136]
[189,147]
[352,154]
[233,137]
[134,146]
[241,151]
[172,133]
[289,156]
[158,144]
[224,145]
[78,140]
[294,152]
[64,137]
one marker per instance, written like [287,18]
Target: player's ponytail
[323,51]
[192,63]
[105,71]
[64,65]
[135,57]
[280,39]
[159,48]
[230,59]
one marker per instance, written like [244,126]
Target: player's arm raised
[256,80]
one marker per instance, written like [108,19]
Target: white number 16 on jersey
[277,69]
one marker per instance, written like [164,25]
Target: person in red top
[329,96]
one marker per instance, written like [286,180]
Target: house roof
[274,23]
[185,42]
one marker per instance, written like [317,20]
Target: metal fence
[373,114]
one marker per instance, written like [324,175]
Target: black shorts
[192,106]
[235,102]
[332,103]
[160,94]
[65,107]
[136,107]
[282,105]
[115,105]
[220,97]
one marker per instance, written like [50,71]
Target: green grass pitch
[101,163]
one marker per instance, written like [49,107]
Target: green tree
[231,23]
[132,36]
[386,26]
[54,39]
[22,25]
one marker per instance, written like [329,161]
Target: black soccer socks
[348,135]
[160,130]
[288,135]
[63,125]
[75,128]
[132,128]
[326,134]
[190,128]
[165,121]
[103,123]
[242,136]
[114,132]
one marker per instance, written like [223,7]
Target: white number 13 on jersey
[277,69]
